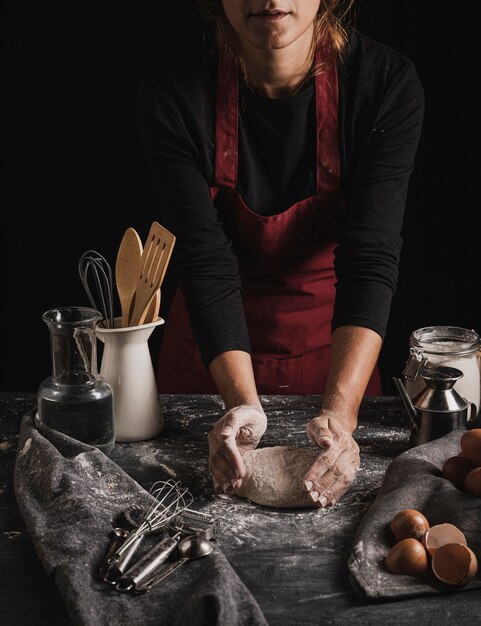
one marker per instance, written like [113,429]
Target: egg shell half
[440,535]
[455,564]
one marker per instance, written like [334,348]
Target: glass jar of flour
[450,346]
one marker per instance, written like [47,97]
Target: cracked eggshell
[454,564]
[440,535]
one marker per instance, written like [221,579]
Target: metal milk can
[438,408]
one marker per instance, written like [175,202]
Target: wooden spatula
[127,269]
[151,313]
[155,258]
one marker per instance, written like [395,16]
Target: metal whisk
[170,499]
[93,265]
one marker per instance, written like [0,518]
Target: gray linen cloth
[413,481]
[70,495]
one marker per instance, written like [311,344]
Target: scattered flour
[13,534]
[26,447]
[168,470]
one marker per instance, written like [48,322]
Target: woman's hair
[330,26]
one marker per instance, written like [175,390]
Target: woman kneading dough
[281,162]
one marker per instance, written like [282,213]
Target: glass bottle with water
[75,400]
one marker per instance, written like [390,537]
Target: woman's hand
[238,431]
[332,473]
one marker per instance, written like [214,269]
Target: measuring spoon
[190,548]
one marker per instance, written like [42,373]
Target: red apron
[286,263]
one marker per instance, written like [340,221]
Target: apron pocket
[277,376]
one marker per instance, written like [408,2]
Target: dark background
[75,177]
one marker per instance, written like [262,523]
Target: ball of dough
[274,476]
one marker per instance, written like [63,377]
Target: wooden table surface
[293,562]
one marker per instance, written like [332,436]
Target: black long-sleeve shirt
[381,107]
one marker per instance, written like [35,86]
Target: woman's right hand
[238,431]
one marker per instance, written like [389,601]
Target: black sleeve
[203,261]
[367,257]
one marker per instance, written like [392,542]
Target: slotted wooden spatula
[127,269]
[153,265]
[151,313]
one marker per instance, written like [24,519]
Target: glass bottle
[75,400]
[450,346]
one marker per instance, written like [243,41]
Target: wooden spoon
[127,269]
[155,258]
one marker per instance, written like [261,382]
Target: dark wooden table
[293,562]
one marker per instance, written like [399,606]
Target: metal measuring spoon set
[183,529]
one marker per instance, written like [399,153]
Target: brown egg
[471,445]
[455,470]
[407,557]
[408,523]
[472,483]
[455,564]
[440,535]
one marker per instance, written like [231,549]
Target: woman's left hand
[333,472]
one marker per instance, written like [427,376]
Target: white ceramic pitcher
[127,367]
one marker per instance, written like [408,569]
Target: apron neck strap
[227,129]
[226,126]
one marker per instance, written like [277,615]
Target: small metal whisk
[170,499]
[93,264]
